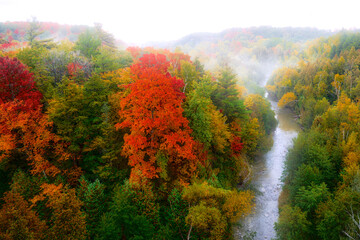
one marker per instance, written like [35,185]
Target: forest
[102,143]
[99,140]
[320,199]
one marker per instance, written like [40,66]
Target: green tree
[127,217]
[292,224]
[88,44]
[225,97]
[33,34]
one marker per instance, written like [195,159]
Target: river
[267,178]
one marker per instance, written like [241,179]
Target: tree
[27,135]
[16,82]
[159,139]
[207,123]
[288,98]
[88,44]
[127,217]
[93,198]
[261,109]
[106,38]
[338,81]
[77,112]
[292,224]
[18,220]
[67,220]
[32,34]
[211,209]
[225,96]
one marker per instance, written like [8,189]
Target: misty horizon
[139,22]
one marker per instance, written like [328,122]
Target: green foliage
[308,198]
[84,85]
[77,112]
[292,224]
[33,34]
[94,199]
[109,59]
[322,167]
[225,97]
[197,110]
[88,44]
[125,219]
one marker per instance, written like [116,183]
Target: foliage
[18,220]
[322,167]
[98,143]
[154,104]
[16,82]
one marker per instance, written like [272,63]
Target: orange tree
[159,143]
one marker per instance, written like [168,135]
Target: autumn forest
[100,140]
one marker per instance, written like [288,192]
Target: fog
[141,21]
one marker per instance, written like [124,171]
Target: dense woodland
[148,143]
[321,195]
[101,143]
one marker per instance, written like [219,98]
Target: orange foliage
[29,133]
[18,221]
[288,98]
[68,222]
[152,110]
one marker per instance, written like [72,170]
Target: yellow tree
[211,209]
[67,220]
[288,99]
[337,83]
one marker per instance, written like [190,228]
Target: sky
[141,21]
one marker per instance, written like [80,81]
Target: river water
[267,179]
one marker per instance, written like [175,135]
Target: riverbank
[266,178]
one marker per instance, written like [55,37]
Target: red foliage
[73,68]
[152,110]
[176,58]
[236,145]
[156,62]
[134,51]
[10,38]
[16,82]
[8,45]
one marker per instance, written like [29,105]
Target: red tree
[236,145]
[16,82]
[159,143]
[73,69]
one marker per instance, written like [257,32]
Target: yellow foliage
[351,144]
[251,133]
[219,129]
[64,205]
[352,158]
[241,90]
[287,99]
[350,172]
[238,204]
[210,208]
[207,219]
[270,88]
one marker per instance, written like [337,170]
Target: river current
[266,179]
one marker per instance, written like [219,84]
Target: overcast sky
[139,21]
